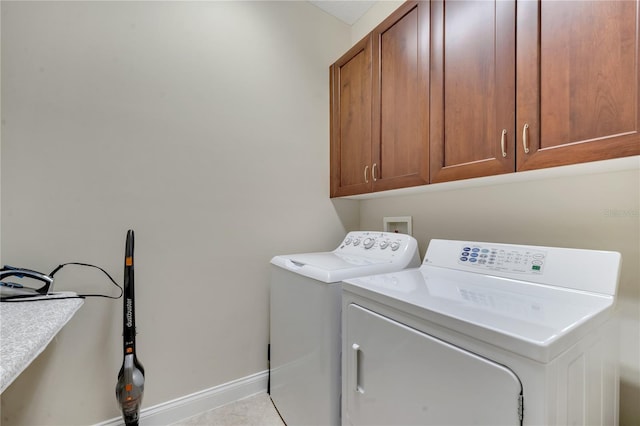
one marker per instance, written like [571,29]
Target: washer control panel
[502,258]
[374,244]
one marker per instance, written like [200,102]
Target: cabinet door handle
[373,172]
[503,142]
[525,138]
[366,169]
[356,368]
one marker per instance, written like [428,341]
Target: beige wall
[204,126]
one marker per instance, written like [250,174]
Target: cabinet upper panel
[470,81]
[355,124]
[399,76]
[589,70]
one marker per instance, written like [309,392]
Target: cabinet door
[578,81]
[396,375]
[351,121]
[472,89]
[401,98]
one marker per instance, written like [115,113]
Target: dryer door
[396,375]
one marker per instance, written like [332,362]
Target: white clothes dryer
[484,334]
[305,338]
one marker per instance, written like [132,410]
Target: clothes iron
[13,290]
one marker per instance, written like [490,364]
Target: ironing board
[25,331]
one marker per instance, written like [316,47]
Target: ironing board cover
[25,331]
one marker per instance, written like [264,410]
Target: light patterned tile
[257,410]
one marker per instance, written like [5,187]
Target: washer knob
[347,241]
[356,242]
[368,243]
[395,245]
[384,244]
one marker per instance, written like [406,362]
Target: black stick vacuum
[130,385]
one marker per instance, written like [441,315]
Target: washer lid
[332,267]
[533,320]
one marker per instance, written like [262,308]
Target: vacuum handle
[129,319]
[128,248]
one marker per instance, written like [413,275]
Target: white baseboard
[190,405]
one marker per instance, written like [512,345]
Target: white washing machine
[306,320]
[484,334]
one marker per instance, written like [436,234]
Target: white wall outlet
[399,224]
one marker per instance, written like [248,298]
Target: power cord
[78,296]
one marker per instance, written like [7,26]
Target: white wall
[204,126]
[598,211]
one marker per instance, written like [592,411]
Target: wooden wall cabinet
[448,89]
[575,97]
[380,109]
[472,89]
[350,121]
[578,82]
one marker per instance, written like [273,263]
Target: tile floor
[257,410]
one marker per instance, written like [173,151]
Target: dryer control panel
[502,258]
[588,270]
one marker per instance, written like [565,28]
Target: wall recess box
[399,224]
